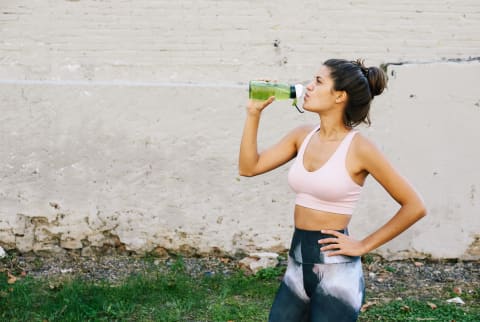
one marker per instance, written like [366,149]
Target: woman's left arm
[411,209]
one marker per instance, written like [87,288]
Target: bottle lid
[299,90]
[298,101]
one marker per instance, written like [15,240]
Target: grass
[412,310]
[176,296]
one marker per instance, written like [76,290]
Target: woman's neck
[332,128]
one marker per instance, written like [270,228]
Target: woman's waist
[312,219]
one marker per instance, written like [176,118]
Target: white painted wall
[121,120]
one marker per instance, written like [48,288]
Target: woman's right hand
[255,107]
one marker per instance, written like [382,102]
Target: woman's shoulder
[305,129]
[301,132]
[298,134]
[364,147]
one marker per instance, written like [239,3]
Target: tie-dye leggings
[318,288]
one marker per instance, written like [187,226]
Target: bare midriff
[311,219]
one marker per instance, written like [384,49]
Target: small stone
[456,300]
[431,305]
[418,264]
[367,305]
[11,278]
[405,308]
[2,252]
[246,262]
[71,244]
[160,252]
[257,261]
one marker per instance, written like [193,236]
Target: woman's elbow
[416,209]
[421,210]
[245,173]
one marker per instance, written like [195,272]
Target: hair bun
[377,79]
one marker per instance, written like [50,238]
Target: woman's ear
[341,96]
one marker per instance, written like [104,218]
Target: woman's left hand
[341,244]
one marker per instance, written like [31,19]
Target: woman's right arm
[252,163]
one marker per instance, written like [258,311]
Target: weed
[271,273]
[368,259]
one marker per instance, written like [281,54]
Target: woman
[324,278]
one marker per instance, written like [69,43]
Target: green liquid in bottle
[261,90]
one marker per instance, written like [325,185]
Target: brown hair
[361,84]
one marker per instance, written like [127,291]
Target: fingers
[269,101]
[330,247]
[328,241]
[332,232]
[333,242]
[260,105]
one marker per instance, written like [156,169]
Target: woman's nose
[310,86]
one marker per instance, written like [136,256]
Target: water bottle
[262,90]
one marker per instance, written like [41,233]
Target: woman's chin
[307,107]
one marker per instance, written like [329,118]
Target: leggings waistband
[306,249]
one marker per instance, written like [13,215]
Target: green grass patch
[171,296]
[414,310]
[176,296]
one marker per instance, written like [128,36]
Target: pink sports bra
[329,188]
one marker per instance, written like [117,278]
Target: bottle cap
[298,101]
[299,90]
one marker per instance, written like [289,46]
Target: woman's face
[320,95]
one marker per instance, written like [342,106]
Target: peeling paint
[188,250]
[406,253]
[182,234]
[385,66]
[278,248]
[237,238]
[474,248]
